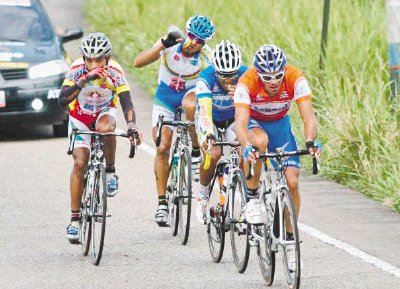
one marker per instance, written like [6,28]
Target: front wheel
[266,257]
[239,227]
[185,194]
[216,226]
[99,214]
[86,225]
[290,241]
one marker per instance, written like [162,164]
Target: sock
[75,215]
[252,194]
[162,200]
[289,236]
[196,152]
[204,191]
[110,168]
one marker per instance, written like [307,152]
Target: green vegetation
[357,121]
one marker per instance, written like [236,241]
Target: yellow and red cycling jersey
[250,92]
[96,95]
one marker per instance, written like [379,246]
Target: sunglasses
[196,38]
[227,75]
[269,78]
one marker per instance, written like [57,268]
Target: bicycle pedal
[108,216]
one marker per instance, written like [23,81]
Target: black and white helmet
[95,45]
[226,57]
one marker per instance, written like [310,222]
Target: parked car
[33,63]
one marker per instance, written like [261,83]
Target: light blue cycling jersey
[222,104]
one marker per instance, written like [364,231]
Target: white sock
[204,191]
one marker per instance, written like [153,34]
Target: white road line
[351,250]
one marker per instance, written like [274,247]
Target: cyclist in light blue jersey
[214,91]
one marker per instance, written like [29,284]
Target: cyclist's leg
[189,106]
[280,134]
[106,122]
[81,157]
[161,165]
[205,180]
[259,138]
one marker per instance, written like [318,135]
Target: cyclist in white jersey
[183,57]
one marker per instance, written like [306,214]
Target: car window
[19,23]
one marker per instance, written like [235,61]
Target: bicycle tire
[292,277]
[266,257]
[239,227]
[185,194]
[86,225]
[99,209]
[173,212]
[216,226]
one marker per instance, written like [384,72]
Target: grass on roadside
[357,121]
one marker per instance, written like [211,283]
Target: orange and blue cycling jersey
[96,95]
[250,92]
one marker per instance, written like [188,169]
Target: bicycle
[94,196]
[179,187]
[267,237]
[227,200]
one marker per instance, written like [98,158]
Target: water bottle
[175,159]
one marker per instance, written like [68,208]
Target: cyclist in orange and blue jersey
[183,57]
[214,92]
[92,88]
[263,97]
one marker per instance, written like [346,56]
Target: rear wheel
[290,247]
[86,225]
[239,227]
[99,209]
[216,226]
[185,194]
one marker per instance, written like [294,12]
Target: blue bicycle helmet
[269,59]
[201,26]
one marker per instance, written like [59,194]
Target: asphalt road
[348,240]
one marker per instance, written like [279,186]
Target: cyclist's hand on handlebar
[133,132]
[250,153]
[210,137]
[315,148]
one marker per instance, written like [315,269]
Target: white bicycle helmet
[226,57]
[269,59]
[95,45]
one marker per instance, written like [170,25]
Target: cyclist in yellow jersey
[91,89]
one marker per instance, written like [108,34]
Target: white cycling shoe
[202,211]
[255,212]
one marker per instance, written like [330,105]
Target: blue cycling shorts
[279,134]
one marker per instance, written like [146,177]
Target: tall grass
[357,122]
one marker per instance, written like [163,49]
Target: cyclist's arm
[309,121]
[149,55]
[242,114]
[128,108]
[68,94]
[204,100]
